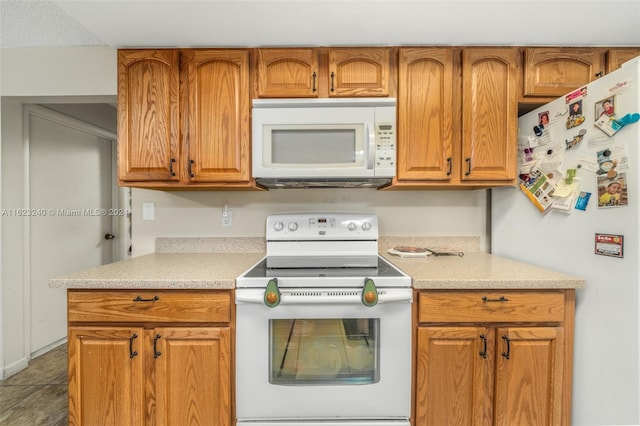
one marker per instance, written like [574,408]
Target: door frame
[119,199]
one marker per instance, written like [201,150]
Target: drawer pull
[508,342]
[485,299]
[132,353]
[156,353]
[140,299]
[483,352]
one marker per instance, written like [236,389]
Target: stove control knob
[366,226]
[292,226]
[278,226]
[351,226]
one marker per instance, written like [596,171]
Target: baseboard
[14,368]
[49,347]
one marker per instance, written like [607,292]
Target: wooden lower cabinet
[474,366]
[149,373]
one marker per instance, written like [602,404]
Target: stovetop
[323,250]
[384,275]
[384,269]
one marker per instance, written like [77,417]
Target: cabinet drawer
[148,306]
[491,306]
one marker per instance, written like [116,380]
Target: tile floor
[37,396]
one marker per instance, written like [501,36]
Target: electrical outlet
[226,215]
[148,211]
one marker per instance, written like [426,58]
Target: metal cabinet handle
[191,174]
[485,299]
[156,353]
[333,75]
[132,353]
[483,352]
[109,236]
[140,299]
[313,76]
[173,160]
[508,342]
[450,166]
[468,172]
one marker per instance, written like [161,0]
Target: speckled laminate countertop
[164,271]
[219,271]
[478,270]
[186,263]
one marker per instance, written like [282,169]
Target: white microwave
[347,142]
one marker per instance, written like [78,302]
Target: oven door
[322,354]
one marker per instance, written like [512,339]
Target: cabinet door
[148,115]
[425,114]
[618,56]
[529,374]
[359,71]
[555,71]
[106,376]
[454,376]
[489,113]
[215,84]
[193,377]
[287,73]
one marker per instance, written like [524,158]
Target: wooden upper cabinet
[215,92]
[619,55]
[287,73]
[359,71]
[324,72]
[489,113]
[425,114]
[556,71]
[148,115]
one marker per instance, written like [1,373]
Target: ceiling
[227,23]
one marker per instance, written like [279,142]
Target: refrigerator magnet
[609,245]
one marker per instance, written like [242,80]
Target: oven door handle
[310,297]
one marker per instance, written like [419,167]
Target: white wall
[29,75]
[400,213]
[13,330]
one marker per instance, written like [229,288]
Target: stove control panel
[322,226]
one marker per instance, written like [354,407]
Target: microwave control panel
[385,156]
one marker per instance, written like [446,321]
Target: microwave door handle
[371,146]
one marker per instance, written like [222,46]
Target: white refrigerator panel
[606,384]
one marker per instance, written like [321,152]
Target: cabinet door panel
[529,376]
[106,376]
[454,371]
[148,115]
[557,71]
[425,110]
[287,73]
[193,378]
[359,71]
[618,56]
[489,113]
[216,88]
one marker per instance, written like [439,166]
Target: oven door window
[324,351]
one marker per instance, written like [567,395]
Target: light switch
[148,211]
